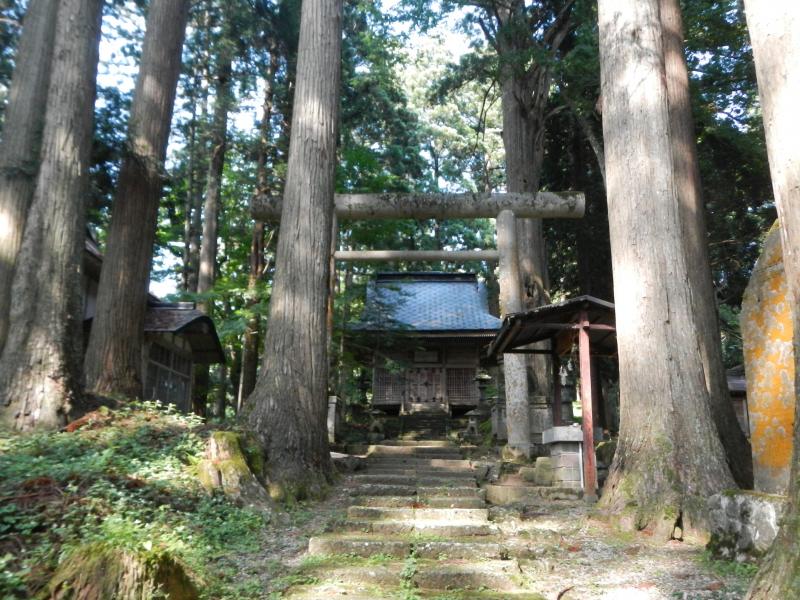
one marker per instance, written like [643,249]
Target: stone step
[379,489]
[429,443]
[359,546]
[329,590]
[421,450]
[494,575]
[416,462]
[441,480]
[416,502]
[398,548]
[529,494]
[434,435]
[424,492]
[421,527]
[419,454]
[426,473]
[497,575]
[435,407]
[463,491]
[464,515]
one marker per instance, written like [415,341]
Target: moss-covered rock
[234,464]
[97,571]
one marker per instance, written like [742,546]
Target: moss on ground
[122,490]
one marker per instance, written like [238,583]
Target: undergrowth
[126,480]
[728,568]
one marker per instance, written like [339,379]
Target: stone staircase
[424,422]
[418,527]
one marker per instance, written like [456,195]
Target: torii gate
[504,208]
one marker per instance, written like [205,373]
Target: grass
[129,482]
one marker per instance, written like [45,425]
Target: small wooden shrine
[426,331]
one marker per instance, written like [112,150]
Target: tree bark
[252,332]
[775,37]
[21,144]
[212,205]
[693,215]
[288,408]
[39,367]
[221,398]
[189,203]
[525,92]
[669,458]
[213,200]
[195,215]
[113,362]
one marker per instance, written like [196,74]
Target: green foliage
[127,483]
[11,12]
[408,589]
[731,333]
[728,568]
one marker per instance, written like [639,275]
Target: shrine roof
[432,302]
[561,322]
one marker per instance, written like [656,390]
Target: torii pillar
[505,208]
[518,418]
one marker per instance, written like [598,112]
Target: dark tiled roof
[191,323]
[428,302]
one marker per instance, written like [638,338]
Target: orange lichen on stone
[766,323]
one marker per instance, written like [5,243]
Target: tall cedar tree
[113,362]
[287,410]
[22,135]
[212,203]
[669,458]
[690,197]
[203,27]
[40,365]
[526,75]
[775,36]
[219,145]
[257,243]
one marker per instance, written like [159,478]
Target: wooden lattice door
[425,385]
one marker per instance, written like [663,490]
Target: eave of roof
[541,323]
[191,323]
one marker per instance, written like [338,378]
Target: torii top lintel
[542,205]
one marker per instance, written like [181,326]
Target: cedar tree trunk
[211,208]
[113,362]
[22,135]
[669,458]
[689,189]
[775,37]
[525,90]
[288,408]
[213,199]
[252,330]
[40,364]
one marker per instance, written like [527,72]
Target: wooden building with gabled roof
[427,331]
[177,336]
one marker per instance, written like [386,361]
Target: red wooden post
[558,410]
[589,462]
